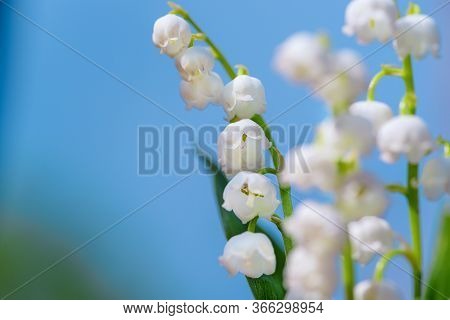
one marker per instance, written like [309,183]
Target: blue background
[68,140]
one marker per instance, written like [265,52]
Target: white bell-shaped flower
[370,290]
[369,236]
[172,34]
[244,96]
[205,89]
[249,253]
[249,195]
[361,195]
[302,57]
[310,166]
[346,135]
[194,62]
[317,227]
[344,81]
[370,19]
[241,147]
[435,178]
[308,276]
[417,35]
[374,111]
[406,135]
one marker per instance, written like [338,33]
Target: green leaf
[439,281]
[267,287]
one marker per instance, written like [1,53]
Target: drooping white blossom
[194,62]
[172,34]
[346,134]
[244,96]
[416,34]
[310,166]
[203,90]
[317,227]
[369,236]
[361,195]
[370,290]
[406,134]
[241,147]
[370,19]
[308,276]
[435,178]
[375,111]
[249,195]
[249,253]
[344,81]
[302,57]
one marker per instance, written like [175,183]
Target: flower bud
[406,135]
[436,178]
[417,35]
[377,113]
[368,236]
[370,19]
[317,227]
[172,34]
[249,195]
[243,97]
[302,57]
[202,90]
[241,147]
[194,62]
[249,253]
[370,290]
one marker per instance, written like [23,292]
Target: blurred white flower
[194,62]
[346,135]
[249,253]
[417,35]
[308,276]
[374,111]
[241,147]
[369,290]
[249,195]
[302,57]
[244,96]
[345,80]
[361,195]
[370,19]
[201,91]
[436,178]
[317,227]
[310,166]
[172,34]
[368,236]
[406,134]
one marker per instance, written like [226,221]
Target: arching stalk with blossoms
[316,234]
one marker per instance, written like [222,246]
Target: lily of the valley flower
[436,178]
[194,62]
[241,147]
[406,135]
[417,35]
[308,276]
[317,227]
[249,253]
[370,20]
[203,90]
[172,34]
[370,290]
[368,236]
[249,195]
[374,111]
[243,97]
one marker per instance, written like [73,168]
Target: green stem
[268,170]
[385,71]
[348,276]
[383,262]
[252,224]
[396,188]
[287,241]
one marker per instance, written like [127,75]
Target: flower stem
[268,170]
[385,71]
[383,262]
[252,224]
[348,275]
